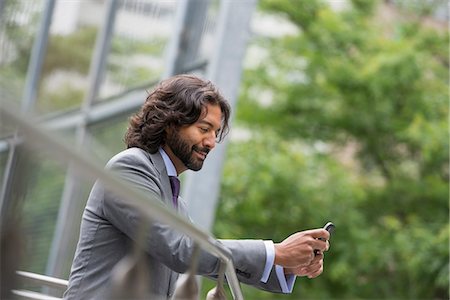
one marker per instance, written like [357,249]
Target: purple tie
[175,184]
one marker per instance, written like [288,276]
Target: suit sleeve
[253,256]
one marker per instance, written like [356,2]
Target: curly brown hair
[177,101]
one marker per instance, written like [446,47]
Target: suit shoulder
[133,159]
[129,156]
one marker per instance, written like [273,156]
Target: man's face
[191,144]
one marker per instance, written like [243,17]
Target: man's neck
[179,166]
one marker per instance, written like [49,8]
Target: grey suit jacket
[109,226]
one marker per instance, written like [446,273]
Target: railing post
[201,189]
[62,248]
[30,91]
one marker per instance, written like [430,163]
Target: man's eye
[203,129]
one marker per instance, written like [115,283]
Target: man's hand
[297,251]
[311,271]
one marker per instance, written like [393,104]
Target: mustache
[198,149]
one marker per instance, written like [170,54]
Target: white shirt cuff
[286,281]
[270,258]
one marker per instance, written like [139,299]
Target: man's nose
[210,140]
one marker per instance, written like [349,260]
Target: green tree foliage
[17,38]
[18,33]
[71,52]
[356,132]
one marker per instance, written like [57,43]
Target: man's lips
[201,154]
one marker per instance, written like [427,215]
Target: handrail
[38,138]
[43,280]
[29,295]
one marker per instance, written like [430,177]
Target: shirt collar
[171,171]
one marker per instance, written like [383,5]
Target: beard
[185,152]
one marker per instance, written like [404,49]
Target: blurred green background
[355,132]
[343,119]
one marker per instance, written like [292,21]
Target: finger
[319,233]
[316,273]
[316,251]
[319,245]
[317,259]
[303,272]
[316,262]
[309,270]
[298,271]
[315,270]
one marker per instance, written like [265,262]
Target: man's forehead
[212,116]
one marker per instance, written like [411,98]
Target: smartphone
[330,227]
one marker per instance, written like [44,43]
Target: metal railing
[37,138]
[41,280]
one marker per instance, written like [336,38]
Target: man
[176,128]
